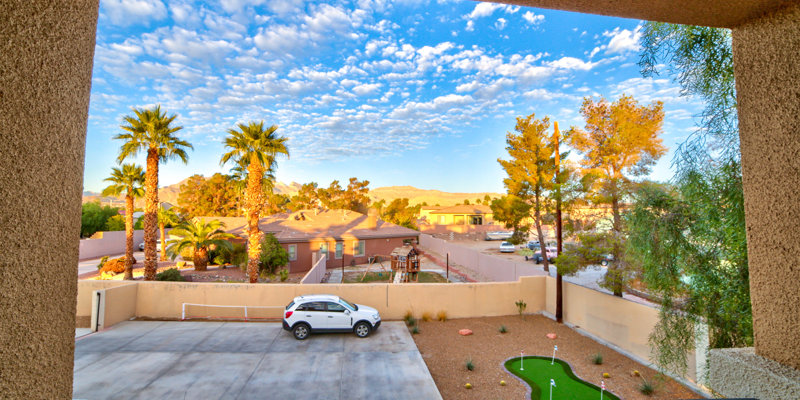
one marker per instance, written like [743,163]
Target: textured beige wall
[720,13]
[741,373]
[767,67]
[46,51]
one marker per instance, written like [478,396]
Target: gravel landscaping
[446,353]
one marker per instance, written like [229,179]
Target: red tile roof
[306,225]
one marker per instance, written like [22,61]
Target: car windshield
[349,305]
[505,244]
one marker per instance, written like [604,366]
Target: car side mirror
[347,312]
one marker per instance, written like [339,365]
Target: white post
[521,360]
[552,384]
[245,313]
[183,311]
[554,354]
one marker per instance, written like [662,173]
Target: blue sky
[397,92]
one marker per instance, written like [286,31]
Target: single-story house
[344,236]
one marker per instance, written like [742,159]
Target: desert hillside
[387,193]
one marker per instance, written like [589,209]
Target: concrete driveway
[235,360]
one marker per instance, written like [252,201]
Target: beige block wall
[85,290]
[120,304]
[767,66]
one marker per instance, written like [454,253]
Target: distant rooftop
[305,225]
[464,209]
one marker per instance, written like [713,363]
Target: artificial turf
[538,372]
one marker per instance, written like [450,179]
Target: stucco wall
[767,67]
[46,51]
[109,244]
[120,304]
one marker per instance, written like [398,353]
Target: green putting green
[538,372]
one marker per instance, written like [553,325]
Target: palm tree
[198,235]
[129,180]
[151,131]
[165,217]
[257,148]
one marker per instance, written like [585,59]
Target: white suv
[328,313]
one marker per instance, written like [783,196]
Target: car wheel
[362,329]
[301,331]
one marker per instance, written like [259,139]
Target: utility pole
[559,244]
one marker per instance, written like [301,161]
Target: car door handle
[308,316]
[330,316]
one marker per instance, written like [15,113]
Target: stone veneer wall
[767,67]
[46,51]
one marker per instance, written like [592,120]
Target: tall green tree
[513,212]
[94,217]
[198,236]
[153,132]
[128,180]
[399,212]
[621,141]
[689,238]
[216,196]
[531,168]
[259,147]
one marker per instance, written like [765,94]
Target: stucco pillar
[46,51]
[767,68]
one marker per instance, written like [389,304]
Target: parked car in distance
[534,245]
[607,259]
[507,247]
[328,313]
[551,255]
[499,235]
[158,246]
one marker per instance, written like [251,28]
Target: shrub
[273,255]
[171,274]
[408,316]
[116,265]
[410,320]
[521,306]
[441,315]
[646,387]
[502,329]
[469,365]
[284,273]
[606,375]
[415,330]
[426,316]
[102,262]
[597,359]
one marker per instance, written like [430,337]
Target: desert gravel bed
[445,352]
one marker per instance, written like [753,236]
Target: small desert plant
[469,365]
[102,261]
[426,316]
[116,266]
[646,387]
[606,375]
[171,274]
[415,330]
[521,306]
[441,315]
[597,359]
[409,318]
[284,274]
[502,329]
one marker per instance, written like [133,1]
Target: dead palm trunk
[150,215]
[129,236]
[253,201]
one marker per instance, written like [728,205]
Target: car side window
[335,307]
[313,306]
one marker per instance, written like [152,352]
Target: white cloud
[483,10]
[500,24]
[623,40]
[128,12]
[533,19]
[366,88]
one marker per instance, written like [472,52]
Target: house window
[476,220]
[358,248]
[339,250]
[323,249]
[292,252]
[442,220]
